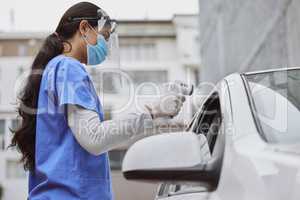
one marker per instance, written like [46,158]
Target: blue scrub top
[63,169]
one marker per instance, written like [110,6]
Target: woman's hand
[168,106]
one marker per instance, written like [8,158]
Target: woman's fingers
[172,104]
[168,106]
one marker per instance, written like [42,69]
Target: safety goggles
[104,21]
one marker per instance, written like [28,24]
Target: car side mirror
[181,156]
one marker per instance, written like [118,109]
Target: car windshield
[275,100]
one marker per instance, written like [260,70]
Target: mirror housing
[181,156]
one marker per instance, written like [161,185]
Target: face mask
[97,53]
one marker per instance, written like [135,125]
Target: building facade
[151,51]
[248,35]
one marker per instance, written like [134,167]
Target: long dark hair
[24,135]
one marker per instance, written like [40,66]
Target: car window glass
[178,189]
[163,190]
[276,104]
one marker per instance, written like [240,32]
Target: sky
[44,15]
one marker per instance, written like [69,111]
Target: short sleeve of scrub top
[74,86]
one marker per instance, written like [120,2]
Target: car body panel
[252,168]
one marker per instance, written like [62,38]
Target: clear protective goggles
[106,26]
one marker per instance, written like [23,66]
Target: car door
[207,121]
[254,167]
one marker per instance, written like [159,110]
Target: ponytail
[24,136]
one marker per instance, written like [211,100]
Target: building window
[14,170]
[22,50]
[15,124]
[116,159]
[2,134]
[141,77]
[138,52]
[106,82]
[110,82]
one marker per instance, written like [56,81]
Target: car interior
[209,120]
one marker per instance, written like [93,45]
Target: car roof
[270,70]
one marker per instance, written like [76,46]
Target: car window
[188,188]
[275,98]
[209,120]
[167,190]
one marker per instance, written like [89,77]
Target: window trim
[253,109]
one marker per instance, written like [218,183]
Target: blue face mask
[97,53]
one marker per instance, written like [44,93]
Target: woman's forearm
[98,137]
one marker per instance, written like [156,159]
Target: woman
[63,138]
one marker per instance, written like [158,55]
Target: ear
[84,27]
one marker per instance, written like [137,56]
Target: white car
[243,144]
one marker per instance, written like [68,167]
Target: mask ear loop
[85,37]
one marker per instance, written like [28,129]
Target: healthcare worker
[63,136]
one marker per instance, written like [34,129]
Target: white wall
[248,35]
